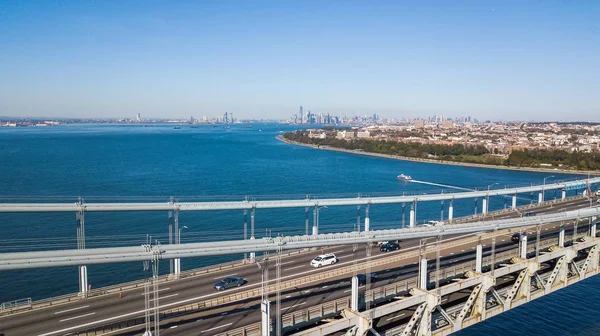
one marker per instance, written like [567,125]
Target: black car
[529,214]
[389,246]
[362,279]
[229,282]
[515,238]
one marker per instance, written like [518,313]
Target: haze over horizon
[504,60]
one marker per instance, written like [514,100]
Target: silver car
[229,282]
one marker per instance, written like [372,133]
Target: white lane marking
[173,327]
[347,255]
[160,290]
[221,326]
[164,297]
[76,317]
[325,286]
[119,331]
[218,293]
[395,317]
[340,251]
[287,262]
[225,276]
[349,290]
[68,310]
[296,305]
[291,268]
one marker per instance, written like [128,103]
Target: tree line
[458,152]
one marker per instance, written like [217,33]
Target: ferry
[403,177]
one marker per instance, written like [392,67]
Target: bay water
[129,163]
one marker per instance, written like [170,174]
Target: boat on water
[177,127]
[403,177]
[248,126]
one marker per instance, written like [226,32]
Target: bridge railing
[310,315]
[313,314]
[491,214]
[16,304]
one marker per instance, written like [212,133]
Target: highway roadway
[246,313]
[83,314]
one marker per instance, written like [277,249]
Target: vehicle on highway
[515,238]
[598,192]
[390,246]
[229,282]
[598,201]
[529,214]
[362,279]
[433,223]
[324,259]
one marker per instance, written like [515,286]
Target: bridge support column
[83,280]
[265,310]
[413,214]
[564,194]
[593,228]
[541,197]
[514,201]
[315,229]
[561,236]
[423,276]
[367,219]
[478,258]
[354,297]
[252,213]
[450,211]
[484,205]
[523,246]
[177,261]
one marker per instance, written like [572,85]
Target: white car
[433,223]
[323,260]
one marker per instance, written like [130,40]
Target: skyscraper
[301,113]
[138,117]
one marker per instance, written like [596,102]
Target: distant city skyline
[505,61]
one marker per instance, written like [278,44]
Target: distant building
[447,124]
[345,135]
[420,123]
[315,134]
[364,134]
[138,118]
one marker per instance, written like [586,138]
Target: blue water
[134,163]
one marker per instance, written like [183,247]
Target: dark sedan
[389,246]
[362,279]
[229,282]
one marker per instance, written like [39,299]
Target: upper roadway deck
[85,313]
[273,204]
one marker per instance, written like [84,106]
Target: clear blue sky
[504,60]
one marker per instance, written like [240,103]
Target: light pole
[547,177]
[543,196]
[179,235]
[487,197]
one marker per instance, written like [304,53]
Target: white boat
[404,177]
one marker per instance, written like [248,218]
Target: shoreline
[464,164]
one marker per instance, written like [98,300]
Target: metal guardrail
[333,308]
[15,304]
[126,286]
[491,214]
